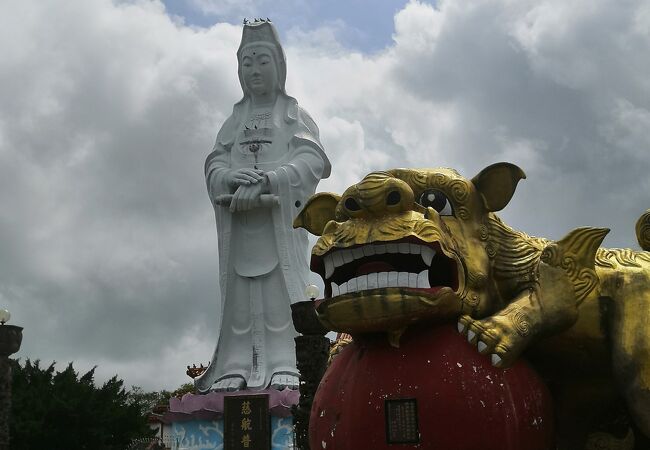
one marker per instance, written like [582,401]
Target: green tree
[183,389]
[154,401]
[65,411]
[149,400]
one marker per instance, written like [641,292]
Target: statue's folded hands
[243,176]
[247,196]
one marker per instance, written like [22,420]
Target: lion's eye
[351,204]
[437,200]
[393,198]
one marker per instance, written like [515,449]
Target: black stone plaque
[402,421]
[246,422]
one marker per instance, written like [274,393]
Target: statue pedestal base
[197,421]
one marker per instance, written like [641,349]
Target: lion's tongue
[374,267]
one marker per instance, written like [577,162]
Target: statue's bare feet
[229,384]
[280,381]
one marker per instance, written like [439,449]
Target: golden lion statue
[414,245]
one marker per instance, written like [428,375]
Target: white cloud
[226,7]
[419,25]
[107,112]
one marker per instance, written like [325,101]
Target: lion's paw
[499,336]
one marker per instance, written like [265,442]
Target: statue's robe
[263,265]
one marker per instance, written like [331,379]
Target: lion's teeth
[329,266]
[362,283]
[373,280]
[423,279]
[337,259]
[382,280]
[427,255]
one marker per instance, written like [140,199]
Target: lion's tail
[643,230]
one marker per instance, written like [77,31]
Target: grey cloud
[110,236]
[556,74]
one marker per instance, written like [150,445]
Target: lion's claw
[492,337]
[496,360]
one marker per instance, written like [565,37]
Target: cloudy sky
[108,109]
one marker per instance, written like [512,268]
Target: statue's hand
[244,177]
[247,196]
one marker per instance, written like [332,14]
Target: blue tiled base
[208,434]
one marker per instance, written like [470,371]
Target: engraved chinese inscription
[247,422]
[402,421]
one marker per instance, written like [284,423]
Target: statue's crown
[259,30]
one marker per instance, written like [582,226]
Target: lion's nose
[373,197]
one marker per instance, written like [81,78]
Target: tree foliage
[185,388]
[65,411]
[151,401]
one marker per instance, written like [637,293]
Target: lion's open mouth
[407,263]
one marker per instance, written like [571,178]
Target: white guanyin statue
[266,163]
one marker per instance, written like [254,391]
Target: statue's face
[258,70]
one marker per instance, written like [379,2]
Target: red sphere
[463,403]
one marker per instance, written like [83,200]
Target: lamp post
[10,338]
[312,349]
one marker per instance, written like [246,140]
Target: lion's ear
[497,184]
[319,210]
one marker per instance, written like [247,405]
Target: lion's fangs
[338,258]
[382,280]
